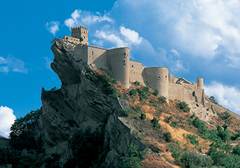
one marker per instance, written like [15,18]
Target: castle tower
[157,78]
[200,83]
[118,63]
[80,31]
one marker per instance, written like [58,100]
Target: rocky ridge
[80,105]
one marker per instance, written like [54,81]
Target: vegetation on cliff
[173,135]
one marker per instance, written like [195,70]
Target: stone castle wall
[125,71]
[137,72]
[98,56]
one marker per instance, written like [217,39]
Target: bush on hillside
[168,136]
[156,125]
[136,83]
[183,106]
[194,159]
[133,92]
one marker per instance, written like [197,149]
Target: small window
[159,77]
[193,93]
[166,76]
[132,66]
[92,52]
[124,53]
[84,37]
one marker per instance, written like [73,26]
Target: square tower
[79,32]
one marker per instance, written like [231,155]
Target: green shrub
[193,139]
[223,159]
[127,112]
[236,150]
[145,90]
[174,124]
[212,98]
[136,83]
[131,162]
[168,136]
[143,116]
[183,106]
[133,92]
[200,125]
[194,159]
[134,158]
[138,109]
[223,134]
[156,92]
[162,99]
[156,125]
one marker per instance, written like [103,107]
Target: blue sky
[193,38]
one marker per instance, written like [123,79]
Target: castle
[117,60]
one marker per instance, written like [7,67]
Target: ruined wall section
[71,39]
[136,72]
[186,92]
[157,78]
[118,64]
[98,57]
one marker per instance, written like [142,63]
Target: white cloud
[227,96]
[85,18]
[110,37]
[52,27]
[124,37]
[12,64]
[130,35]
[6,120]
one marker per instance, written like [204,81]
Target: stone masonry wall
[136,72]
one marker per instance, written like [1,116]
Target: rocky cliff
[81,104]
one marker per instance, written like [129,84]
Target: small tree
[156,92]
[81,39]
[212,98]
[168,136]
[194,159]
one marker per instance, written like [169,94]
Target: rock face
[80,105]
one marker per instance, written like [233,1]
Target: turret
[157,78]
[200,83]
[118,63]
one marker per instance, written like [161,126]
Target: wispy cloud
[52,27]
[11,63]
[227,96]
[6,120]
[122,37]
[86,18]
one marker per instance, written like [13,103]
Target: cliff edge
[80,104]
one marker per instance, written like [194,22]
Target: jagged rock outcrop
[79,105]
